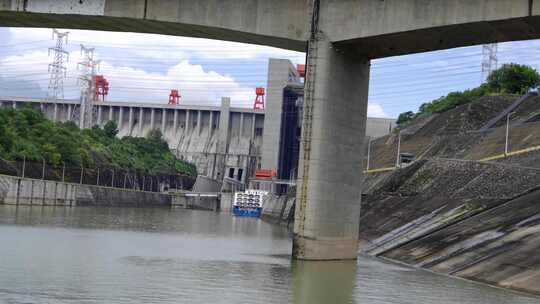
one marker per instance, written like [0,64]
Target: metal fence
[99,176]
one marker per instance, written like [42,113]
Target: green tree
[509,79]
[51,154]
[155,135]
[513,79]
[26,133]
[110,129]
[405,118]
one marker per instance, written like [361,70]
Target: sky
[144,67]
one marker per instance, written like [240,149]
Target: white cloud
[196,85]
[143,67]
[131,84]
[376,110]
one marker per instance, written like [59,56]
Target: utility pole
[23,166]
[57,70]
[506,144]
[112,178]
[398,159]
[82,174]
[368,153]
[87,68]
[489,60]
[43,170]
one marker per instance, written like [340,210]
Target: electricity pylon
[87,67]
[489,60]
[57,70]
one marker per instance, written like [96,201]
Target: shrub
[513,79]
[405,117]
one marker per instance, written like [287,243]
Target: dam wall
[220,141]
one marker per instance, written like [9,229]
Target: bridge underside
[379,46]
[444,37]
[120,24]
[370,28]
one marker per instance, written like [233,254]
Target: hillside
[26,134]
[454,134]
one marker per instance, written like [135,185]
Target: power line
[22,43]
[385,88]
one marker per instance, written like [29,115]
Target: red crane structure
[101,87]
[259,99]
[174,97]
[301,68]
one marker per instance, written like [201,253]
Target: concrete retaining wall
[206,184]
[226,202]
[210,203]
[279,209]
[15,190]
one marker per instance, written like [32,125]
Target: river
[124,255]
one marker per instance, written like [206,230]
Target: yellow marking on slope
[380,170]
[518,152]
[489,158]
[494,157]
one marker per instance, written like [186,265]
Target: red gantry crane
[174,97]
[259,99]
[101,88]
[301,69]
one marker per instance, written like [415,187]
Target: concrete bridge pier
[330,170]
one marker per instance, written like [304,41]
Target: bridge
[341,37]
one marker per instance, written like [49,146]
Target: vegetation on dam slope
[26,133]
[508,79]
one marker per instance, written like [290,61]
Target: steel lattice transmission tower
[57,70]
[489,60]
[87,67]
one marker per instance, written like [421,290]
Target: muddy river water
[117,255]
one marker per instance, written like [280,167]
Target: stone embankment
[479,221]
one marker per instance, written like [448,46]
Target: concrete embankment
[23,191]
[479,221]
[198,200]
[279,209]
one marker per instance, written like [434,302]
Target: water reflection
[323,282]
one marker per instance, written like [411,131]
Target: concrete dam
[222,141]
